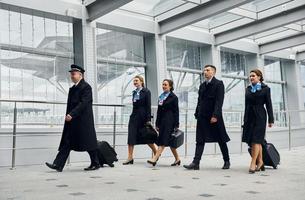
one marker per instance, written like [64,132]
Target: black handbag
[148,134]
[177,138]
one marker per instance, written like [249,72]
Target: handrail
[119,105]
[236,119]
[56,102]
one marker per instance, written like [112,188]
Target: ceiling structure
[274,25]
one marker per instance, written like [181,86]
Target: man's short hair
[212,66]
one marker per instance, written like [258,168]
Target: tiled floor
[143,182]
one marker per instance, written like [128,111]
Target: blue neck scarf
[162,97]
[256,87]
[136,94]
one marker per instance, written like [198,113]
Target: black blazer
[210,99]
[143,105]
[169,107]
[254,102]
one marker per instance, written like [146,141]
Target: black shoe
[151,162]
[92,167]
[128,162]
[251,171]
[54,166]
[111,165]
[176,163]
[226,165]
[192,166]
[261,168]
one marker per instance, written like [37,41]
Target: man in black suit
[210,125]
[79,132]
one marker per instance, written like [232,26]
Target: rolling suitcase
[106,154]
[271,156]
[177,139]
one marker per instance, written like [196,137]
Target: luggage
[177,138]
[106,154]
[148,134]
[271,156]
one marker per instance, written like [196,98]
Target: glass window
[186,87]
[304,96]
[27,30]
[277,96]
[26,75]
[234,94]
[184,53]
[118,45]
[272,70]
[233,63]
[302,73]
[4,28]
[302,76]
[14,28]
[119,58]
[115,84]
[153,8]
[38,31]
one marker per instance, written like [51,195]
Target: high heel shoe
[261,168]
[128,162]
[251,171]
[152,162]
[176,163]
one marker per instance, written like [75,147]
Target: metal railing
[15,123]
[287,120]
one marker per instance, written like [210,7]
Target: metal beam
[99,8]
[300,56]
[62,10]
[258,26]
[283,43]
[198,13]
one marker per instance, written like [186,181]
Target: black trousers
[200,148]
[64,153]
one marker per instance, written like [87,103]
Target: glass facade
[120,57]
[116,53]
[302,76]
[272,73]
[186,88]
[35,56]
[233,63]
[233,66]
[184,54]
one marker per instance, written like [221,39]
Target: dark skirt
[136,123]
[166,128]
[254,130]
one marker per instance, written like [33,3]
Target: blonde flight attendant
[141,114]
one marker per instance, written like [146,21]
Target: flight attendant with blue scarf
[141,114]
[167,121]
[254,129]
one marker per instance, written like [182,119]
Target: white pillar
[156,69]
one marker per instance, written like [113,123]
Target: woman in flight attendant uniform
[141,114]
[254,129]
[167,121]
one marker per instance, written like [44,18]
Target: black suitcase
[106,154]
[271,156]
[148,134]
[177,139]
